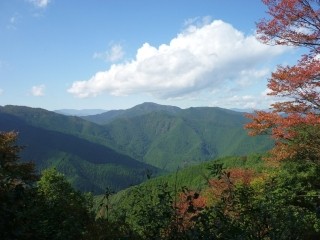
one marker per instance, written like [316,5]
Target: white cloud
[249,77]
[234,101]
[209,57]
[40,3]
[115,54]
[253,101]
[38,91]
[1,91]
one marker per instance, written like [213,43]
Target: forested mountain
[168,137]
[56,122]
[141,109]
[192,177]
[88,165]
[162,136]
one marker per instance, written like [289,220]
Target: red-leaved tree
[294,121]
[293,22]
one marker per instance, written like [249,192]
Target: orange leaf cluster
[294,22]
[300,83]
[286,131]
[190,203]
[223,186]
[297,23]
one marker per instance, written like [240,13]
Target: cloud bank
[247,101]
[210,57]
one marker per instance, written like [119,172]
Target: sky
[115,54]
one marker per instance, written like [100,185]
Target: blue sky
[114,54]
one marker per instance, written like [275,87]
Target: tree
[294,122]
[293,22]
[249,205]
[17,181]
[62,212]
[152,211]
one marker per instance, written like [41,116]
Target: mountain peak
[150,106]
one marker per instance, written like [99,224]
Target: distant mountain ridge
[141,109]
[244,110]
[89,165]
[149,135]
[80,112]
[168,137]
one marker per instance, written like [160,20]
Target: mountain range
[80,112]
[116,148]
[169,137]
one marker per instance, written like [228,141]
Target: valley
[116,148]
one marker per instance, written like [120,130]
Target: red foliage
[301,83]
[189,205]
[293,22]
[223,186]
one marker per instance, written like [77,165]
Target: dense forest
[227,198]
[270,195]
[117,154]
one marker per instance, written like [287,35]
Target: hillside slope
[88,165]
[165,137]
[141,109]
[168,139]
[192,177]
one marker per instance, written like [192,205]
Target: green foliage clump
[16,185]
[283,206]
[246,200]
[62,212]
[30,209]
